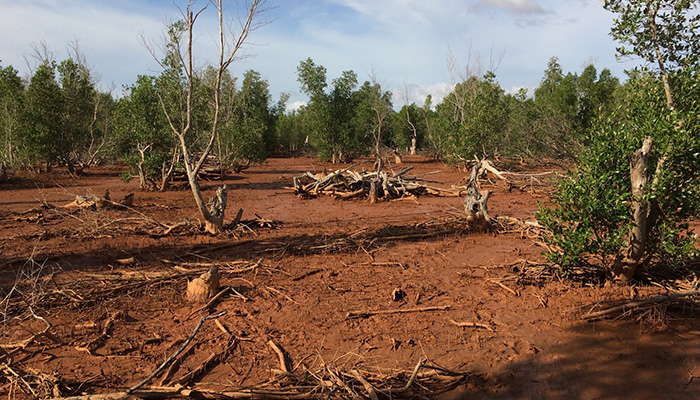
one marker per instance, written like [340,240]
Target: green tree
[373,109]
[331,111]
[409,127]
[472,119]
[100,143]
[42,116]
[556,102]
[521,129]
[143,138]
[291,129]
[78,96]
[595,96]
[626,215]
[12,145]
[662,32]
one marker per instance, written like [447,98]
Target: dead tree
[475,205]
[227,54]
[635,252]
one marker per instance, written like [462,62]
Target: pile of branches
[373,184]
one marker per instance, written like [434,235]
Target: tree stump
[475,205]
[203,288]
[374,191]
[217,209]
[632,257]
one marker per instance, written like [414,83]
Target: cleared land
[316,278]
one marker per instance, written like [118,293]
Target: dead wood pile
[375,185]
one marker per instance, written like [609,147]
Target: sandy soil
[321,259]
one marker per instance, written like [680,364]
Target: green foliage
[331,111]
[42,115]
[142,135]
[64,116]
[409,121]
[78,102]
[565,106]
[591,215]
[371,120]
[472,119]
[659,31]
[248,123]
[12,144]
[591,205]
[290,130]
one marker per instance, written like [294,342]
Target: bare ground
[295,276]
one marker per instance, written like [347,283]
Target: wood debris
[202,288]
[375,185]
[105,202]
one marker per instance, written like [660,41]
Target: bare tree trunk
[167,171]
[140,167]
[142,176]
[475,204]
[653,12]
[627,263]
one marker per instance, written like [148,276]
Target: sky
[406,45]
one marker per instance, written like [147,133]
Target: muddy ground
[111,287]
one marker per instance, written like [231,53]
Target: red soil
[319,263]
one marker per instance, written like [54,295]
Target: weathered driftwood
[475,204]
[374,185]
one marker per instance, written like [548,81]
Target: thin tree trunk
[142,176]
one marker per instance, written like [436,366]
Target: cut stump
[203,288]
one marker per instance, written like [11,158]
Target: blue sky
[404,43]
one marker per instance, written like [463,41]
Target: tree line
[58,117]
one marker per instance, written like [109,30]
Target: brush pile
[372,184]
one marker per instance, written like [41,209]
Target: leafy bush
[591,215]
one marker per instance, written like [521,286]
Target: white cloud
[109,38]
[516,6]
[418,93]
[295,105]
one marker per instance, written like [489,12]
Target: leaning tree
[230,43]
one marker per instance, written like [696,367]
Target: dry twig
[369,313]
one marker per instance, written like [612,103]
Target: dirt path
[323,259]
